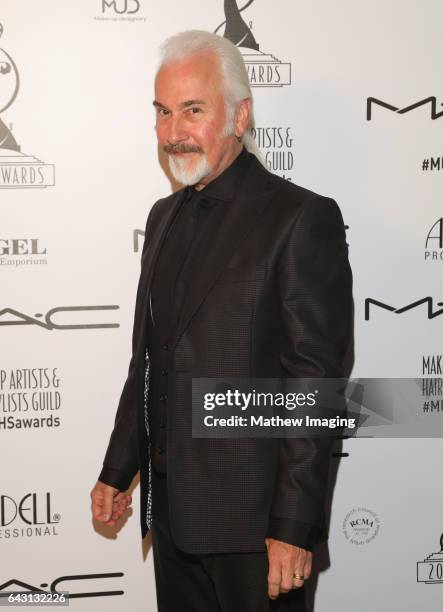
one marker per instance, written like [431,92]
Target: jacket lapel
[214,252]
[149,260]
[150,256]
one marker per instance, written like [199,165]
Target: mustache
[181,148]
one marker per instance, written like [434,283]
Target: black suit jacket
[272,297]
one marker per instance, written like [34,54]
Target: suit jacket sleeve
[121,462]
[315,283]
[293,532]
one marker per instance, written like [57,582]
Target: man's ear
[243,116]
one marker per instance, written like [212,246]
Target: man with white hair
[243,274]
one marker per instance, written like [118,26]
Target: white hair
[235,77]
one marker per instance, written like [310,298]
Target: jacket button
[163,397]
[165,346]
[164,372]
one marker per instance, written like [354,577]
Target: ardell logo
[428,301]
[50,320]
[31,509]
[264,70]
[431,101]
[17,170]
[16,585]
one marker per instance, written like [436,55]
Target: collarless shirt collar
[224,187]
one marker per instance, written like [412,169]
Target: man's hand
[108,504]
[285,560]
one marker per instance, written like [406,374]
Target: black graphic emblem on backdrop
[49,319]
[236,29]
[9,81]
[17,170]
[434,242]
[264,70]
[52,587]
[430,570]
[436,233]
[432,101]
[431,313]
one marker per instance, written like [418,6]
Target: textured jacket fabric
[167,293]
[271,297]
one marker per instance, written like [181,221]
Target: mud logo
[121,7]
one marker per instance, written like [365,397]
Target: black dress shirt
[171,282]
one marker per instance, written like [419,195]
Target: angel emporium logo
[17,169]
[264,70]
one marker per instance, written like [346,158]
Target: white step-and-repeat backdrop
[348,99]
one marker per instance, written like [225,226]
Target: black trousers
[219,582]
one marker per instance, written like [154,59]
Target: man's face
[191,118]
